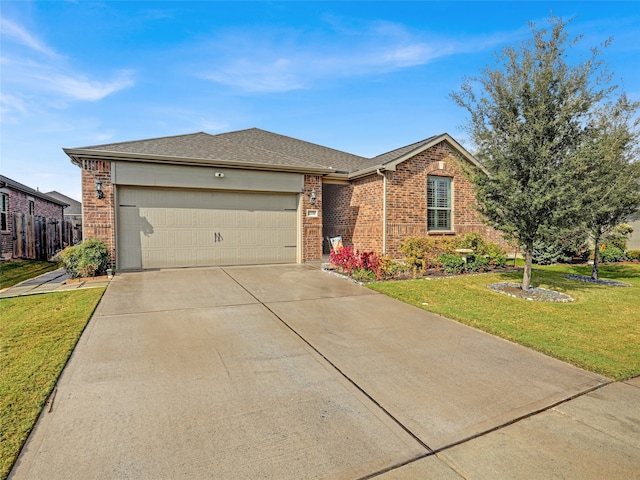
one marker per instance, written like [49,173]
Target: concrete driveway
[287,372]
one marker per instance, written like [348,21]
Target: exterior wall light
[312,197]
[99,192]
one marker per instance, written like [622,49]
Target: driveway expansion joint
[345,376]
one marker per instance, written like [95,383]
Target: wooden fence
[40,238]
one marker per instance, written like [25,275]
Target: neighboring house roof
[255,148]
[7,182]
[74,207]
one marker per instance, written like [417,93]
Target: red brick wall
[312,226]
[355,211]
[98,214]
[19,203]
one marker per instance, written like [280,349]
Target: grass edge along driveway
[38,334]
[599,331]
[15,271]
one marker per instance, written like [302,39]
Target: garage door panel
[180,228]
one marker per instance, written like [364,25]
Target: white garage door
[162,228]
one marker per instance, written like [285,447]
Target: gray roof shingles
[252,146]
[29,191]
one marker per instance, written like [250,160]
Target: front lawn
[38,334]
[13,272]
[599,331]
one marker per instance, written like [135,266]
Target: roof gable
[390,160]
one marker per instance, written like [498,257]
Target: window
[438,203]
[4,210]
[32,207]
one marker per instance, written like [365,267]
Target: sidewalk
[55,281]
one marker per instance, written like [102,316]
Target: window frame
[432,205]
[4,212]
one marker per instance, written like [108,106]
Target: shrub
[546,253]
[363,275]
[423,252]
[619,236]
[477,263]
[451,263]
[345,259]
[611,254]
[348,260]
[390,267]
[87,259]
[475,242]
[498,261]
[633,255]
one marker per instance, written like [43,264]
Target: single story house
[256,197]
[16,198]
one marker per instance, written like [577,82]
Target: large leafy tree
[609,174]
[529,118]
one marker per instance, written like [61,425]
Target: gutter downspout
[384,211]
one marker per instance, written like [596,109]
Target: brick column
[312,226]
[98,214]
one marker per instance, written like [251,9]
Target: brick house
[255,197]
[18,198]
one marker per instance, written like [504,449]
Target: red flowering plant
[350,261]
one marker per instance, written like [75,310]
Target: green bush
[475,242]
[498,261]
[633,255]
[363,275]
[477,263]
[87,259]
[546,253]
[619,236]
[390,267]
[423,252]
[450,263]
[611,254]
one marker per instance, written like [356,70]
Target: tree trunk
[528,260]
[596,258]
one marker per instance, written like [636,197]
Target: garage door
[162,228]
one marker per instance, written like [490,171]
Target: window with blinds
[438,203]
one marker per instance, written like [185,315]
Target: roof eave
[77,154]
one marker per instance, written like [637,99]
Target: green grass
[14,272]
[38,334]
[599,331]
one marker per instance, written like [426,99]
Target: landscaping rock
[608,283]
[538,294]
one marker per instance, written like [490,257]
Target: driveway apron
[277,372]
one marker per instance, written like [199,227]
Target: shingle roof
[74,207]
[388,157]
[28,190]
[252,146]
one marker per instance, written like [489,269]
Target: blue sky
[363,77]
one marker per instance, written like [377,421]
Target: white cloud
[83,88]
[14,32]
[33,82]
[284,60]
